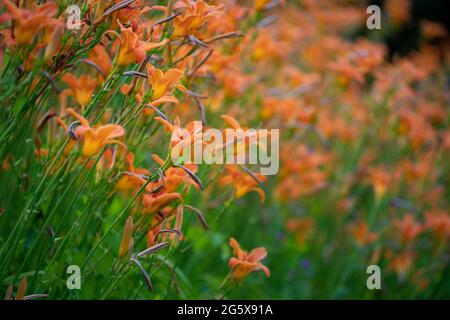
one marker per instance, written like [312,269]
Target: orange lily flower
[360,231]
[153,233]
[380,180]
[125,15]
[27,22]
[195,132]
[260,4]
[100,57]
[242,182]
[128,14]
[266,47]
[155,202]
[163,82]
[174,177]
[408,228]
[82,88]
[439,222]
[303,171]
[243,263]
[132,49]
[401,263]
[244,144]
[93,139]
[159,221]
[302,228]
[134,177]
[196,14]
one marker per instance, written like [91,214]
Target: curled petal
[110,131]
[154,204]
[264,269]
[261,193]
[166,124]
[77,116]
[257,254]
[232,122]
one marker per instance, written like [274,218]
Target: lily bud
[52,46]
[126,246]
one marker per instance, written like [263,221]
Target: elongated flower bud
[126,246]
[52,46]
[22,289]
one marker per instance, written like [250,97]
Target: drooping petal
[79,117]
[153,204]
[165,99]
[264,269]
[261,193]
[169,127]
[110,131]
[257,254]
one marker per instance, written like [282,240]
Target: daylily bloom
[439,222]
[192,130]
[260,4]
[161,85]
[381,180]
[361,233]
[242,182]
[303,171]
[408,228]
[241,145]
[152,234]
[94,139]
[133,178]
[159,222]
[163,82]
[266,47]
[243,263]
[156,201]
[82,87]
[28,23]
[302,228]
[100,57]
[174,177]
[132,49]
[195,15]
[401,263]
